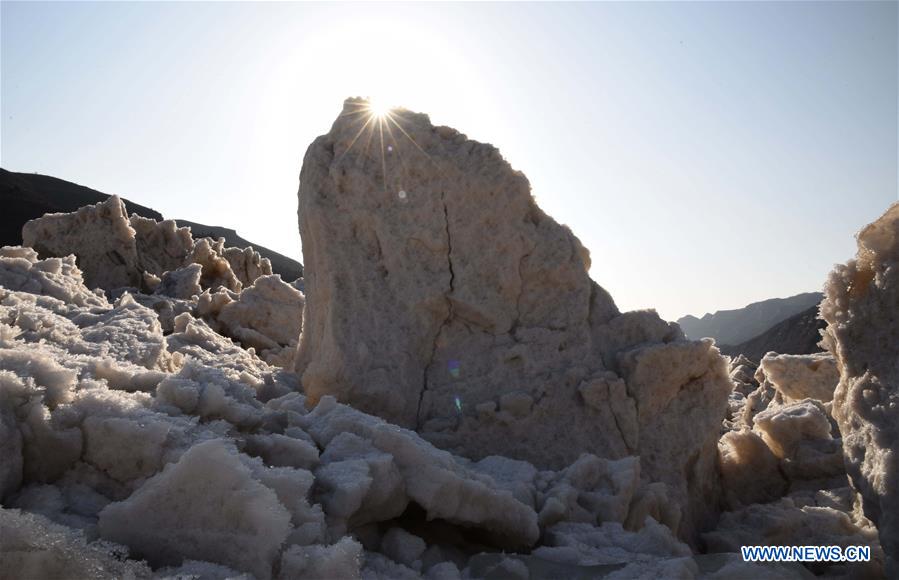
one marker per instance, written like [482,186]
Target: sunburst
[376,117]
[379,108]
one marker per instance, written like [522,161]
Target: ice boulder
[247,264]
[115,251]
[440,483]
[100,235]
[802,376]
[161,246]
[266,316]
[861,308]
[749,470]
[207,506]
[440,297]
[784,428]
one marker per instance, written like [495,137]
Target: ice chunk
[434,479]
[798,377]
[749,470]
[100,235]
[207,506]
[860,306]
[783,428]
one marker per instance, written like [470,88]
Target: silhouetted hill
[26,196]
[795,335]
[738,326]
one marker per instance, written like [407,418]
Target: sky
[708,154]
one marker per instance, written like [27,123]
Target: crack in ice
[449,313]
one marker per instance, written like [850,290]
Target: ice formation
[168,271]
[115,251]
[796,377]
[513,351]
[782,464]
[189,452]
[267,316]
[456,414]
[861,306]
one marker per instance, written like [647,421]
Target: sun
[379,107]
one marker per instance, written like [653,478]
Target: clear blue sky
[708,154]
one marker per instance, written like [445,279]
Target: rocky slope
[733,327]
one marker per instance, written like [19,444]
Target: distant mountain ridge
[26,196]
[734,327]
[798,334]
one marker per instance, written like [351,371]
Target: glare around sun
[378,107]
